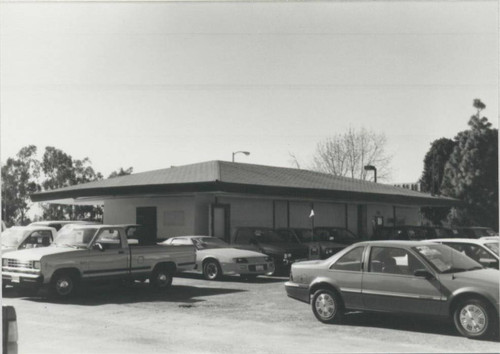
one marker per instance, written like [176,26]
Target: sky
[154,84]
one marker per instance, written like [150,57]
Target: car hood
[230,252]
[6,249]
[281,247]
[482,278]
[35,254]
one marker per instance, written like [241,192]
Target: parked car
[401,277]
[483,251]
[24,237]
[475,231]
[215,258]
[409,232]
[283,250]
[324,242]
[9,330]
[94,253]
[58,224]
[71,225]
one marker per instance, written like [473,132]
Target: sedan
[483,250]
[215,258]
[401,277]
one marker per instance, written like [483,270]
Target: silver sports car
[401,277]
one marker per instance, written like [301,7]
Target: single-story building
[216,197]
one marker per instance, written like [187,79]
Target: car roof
[31,227]
[462,240]
[387,243]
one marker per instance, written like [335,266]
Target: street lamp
[241,152]
[374,169]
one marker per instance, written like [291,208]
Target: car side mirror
[424,273]
[98,246]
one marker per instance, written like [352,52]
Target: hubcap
[325,306]
[162,279]
[473,319]
[63,286]
[211,270]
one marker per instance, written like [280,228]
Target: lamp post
[374,169]
[241,152]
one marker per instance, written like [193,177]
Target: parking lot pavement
[197,316]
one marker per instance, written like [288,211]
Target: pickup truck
[24,237]
[93,253]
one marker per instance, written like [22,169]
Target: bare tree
[346,154]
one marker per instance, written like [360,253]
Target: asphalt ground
[228,316]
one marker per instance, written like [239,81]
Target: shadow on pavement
[402,322]
[235,278]
[93,295]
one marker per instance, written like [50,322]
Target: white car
[215,258]
[483,250]
[24,237]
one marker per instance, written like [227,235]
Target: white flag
[312,213]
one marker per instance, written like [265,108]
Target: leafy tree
[432,176]
[62,171]
[19,180]
[347,154]
[471,173]
[121,172]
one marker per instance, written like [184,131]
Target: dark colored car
[283,249]
[324,242]
[407,277]
[475,232]
[408,233]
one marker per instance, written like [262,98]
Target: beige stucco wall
[182,209]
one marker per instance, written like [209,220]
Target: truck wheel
[62,285]
[161,278]
[326,306]
[212,270]
[474,318]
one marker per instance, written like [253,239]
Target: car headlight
[314,250]
[287,255]
[241,260]
[329,251]
[36,264]
[5,262]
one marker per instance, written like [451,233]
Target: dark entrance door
[362,223]
[146,216]
[220,221]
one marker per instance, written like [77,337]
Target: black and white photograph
[262,176]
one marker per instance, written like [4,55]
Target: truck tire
[161,278]
[63,285]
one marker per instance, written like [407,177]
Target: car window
[181,242]
[393,260]
[109,239]
[39,238]
[476,252]
[244,236]
[350,261]
[493,246]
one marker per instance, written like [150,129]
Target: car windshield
[269,236]
[335,235]
[75,237]
[12,237]
[446,259]
[304,235]
[204,243]
[492,246]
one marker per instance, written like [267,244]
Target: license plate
[15,279]
[259,267]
